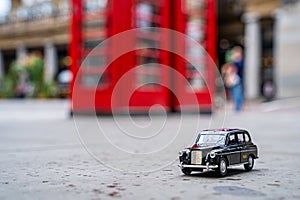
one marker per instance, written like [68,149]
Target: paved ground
[41,156]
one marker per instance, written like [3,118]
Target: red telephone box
[145,68]
[88,29]
[196,19]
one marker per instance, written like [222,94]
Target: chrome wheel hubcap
[250,160]
[223,166]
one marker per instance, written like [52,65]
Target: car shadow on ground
[232,173]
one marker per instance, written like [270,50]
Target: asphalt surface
[44,154]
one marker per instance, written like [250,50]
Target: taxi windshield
[210,139]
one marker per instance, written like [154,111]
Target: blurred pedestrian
[233,82]
[238,60]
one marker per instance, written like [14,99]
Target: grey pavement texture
[42,156]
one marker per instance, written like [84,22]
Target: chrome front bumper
[207,166]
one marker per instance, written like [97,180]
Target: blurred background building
[268,30]
[35,26]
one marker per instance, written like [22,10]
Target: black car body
[217,149]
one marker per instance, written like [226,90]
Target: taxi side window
[247,139]
[240,137]
[231,140]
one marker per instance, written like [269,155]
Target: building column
[287,59]
[252,55]
[276,53]
[21,52]
[50,61]
[1,65]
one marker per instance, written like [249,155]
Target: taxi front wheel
[186,171]
[223,167]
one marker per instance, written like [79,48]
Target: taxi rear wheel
[250,163]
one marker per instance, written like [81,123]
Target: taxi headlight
[180,153]
[212,154]
[187,151]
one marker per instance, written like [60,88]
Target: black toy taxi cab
[217,149]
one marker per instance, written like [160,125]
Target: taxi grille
[196,157]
